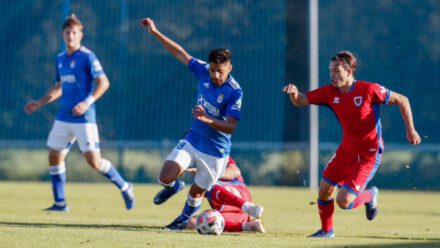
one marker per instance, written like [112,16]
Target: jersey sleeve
[198,67]
[317,96]
[94,66]
[233,108]
[380,94]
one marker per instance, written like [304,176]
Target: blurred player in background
[231,197]
[208,143]
[356,105]
[76,69]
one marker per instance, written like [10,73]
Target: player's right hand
[413,137]
[32,106]
[147,22]
[290,89]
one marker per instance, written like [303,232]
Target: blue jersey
[219,102]
[76,73]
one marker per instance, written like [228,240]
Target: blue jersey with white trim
[76,73]
[219,102]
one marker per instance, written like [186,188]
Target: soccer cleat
[129,197]
[56,208]
[372,208]
[177,224]
[255,211]
[254,226]
[166,193]
[323,234]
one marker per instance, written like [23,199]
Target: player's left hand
[413,137]
[80,108]
[200,114]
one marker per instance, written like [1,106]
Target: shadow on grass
[82,226]
[418,244]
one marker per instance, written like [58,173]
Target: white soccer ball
[210,222]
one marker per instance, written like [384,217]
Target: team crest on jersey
[72,64]
[60,65]
[206,85]
[220,98]
[336,100]
[358,100]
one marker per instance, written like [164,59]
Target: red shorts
[351,171]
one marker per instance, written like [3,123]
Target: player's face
[72,37]
[219,73]
[339,76]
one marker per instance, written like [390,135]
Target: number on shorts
[180,145]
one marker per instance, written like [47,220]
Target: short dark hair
[347,58]
[71,21]
[219,56]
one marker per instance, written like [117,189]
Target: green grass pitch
[98,219]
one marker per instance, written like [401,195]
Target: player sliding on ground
[215,116]
[76,69]
[231,197]
[356,105]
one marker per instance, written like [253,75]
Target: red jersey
[357,112]
[235,186]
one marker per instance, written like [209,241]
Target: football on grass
[210,222]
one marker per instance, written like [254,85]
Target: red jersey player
[356,105]
[231,197]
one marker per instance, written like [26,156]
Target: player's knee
[344,203]
[325,194]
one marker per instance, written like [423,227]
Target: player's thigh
[209,170]
[180,158]
[87,136]
[339,168]
[60,138]
[367,166]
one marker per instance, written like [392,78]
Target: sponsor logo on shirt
[357,100]
[206,85]
[72,64]
[336,100]
[70,79]
[208,106]
[382,90]
[60,65]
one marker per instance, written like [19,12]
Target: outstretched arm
[405,109]
[53,94]
[102,84]
[296,97]
[175,49]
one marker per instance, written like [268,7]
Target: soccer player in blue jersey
[208,143]
[76,70]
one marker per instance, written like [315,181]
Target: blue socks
[191,207]
[109,171]
[58,178]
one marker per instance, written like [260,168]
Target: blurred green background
[148,105]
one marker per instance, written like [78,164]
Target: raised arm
[175,49]
[405,109]
[296,97]
[53,94]
[102,84]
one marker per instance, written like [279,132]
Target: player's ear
[230,67]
